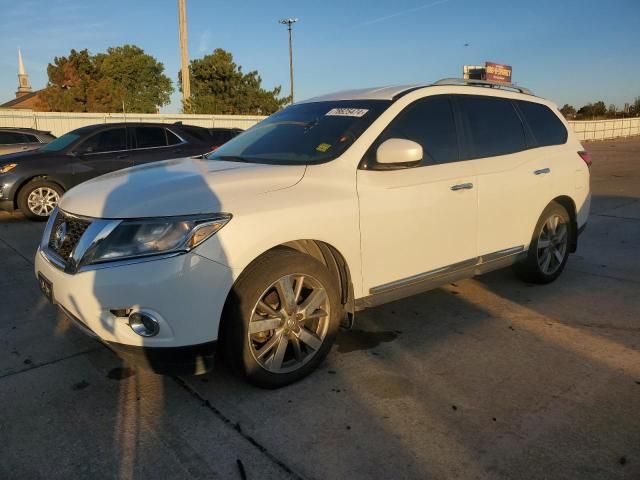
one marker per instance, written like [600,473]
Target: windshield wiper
[232,158]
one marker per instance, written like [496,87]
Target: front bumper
[185,293]
[189,360]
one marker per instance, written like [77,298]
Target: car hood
[29,155]
[176,187]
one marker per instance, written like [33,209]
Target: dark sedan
[34,181]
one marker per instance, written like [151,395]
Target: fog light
[144,324]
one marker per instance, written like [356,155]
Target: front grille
[75,228]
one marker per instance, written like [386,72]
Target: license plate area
[46,287]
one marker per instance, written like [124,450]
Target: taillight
[584,155]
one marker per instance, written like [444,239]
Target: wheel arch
[326,254]
[25,182]
[568,203]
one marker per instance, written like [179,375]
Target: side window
[430,123]
[545,125]
[147,137]
[31,138]
[493,126]
[172,138]
[112,140]
[9,138]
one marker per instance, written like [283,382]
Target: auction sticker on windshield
[347,112]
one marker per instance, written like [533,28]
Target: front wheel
[549,248]
[281,318]
[38,198]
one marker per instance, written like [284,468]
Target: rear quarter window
[544,124]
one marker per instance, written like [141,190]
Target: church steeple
[24,87]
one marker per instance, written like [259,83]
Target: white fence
[605,129]
[60,123]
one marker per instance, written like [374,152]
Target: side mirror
[399,151]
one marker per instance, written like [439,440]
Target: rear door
[102,152]
[417,222]
[513,184]
[151,144]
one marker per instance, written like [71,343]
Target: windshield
[60,143]
[303,133]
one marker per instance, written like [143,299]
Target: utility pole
[184,50]
[289,22]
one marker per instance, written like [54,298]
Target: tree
[218,85]
[568,111]
[592,110]
[137,75]
[71,79]
[634,109]
[100,83]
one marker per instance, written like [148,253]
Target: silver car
[14,140]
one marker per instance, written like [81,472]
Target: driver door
[421,221]
[101,153]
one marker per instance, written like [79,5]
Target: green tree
[568,111]
[592,111]
[83,82]
[138,76]
[634,109]
[218,85]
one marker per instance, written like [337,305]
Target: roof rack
[482,83]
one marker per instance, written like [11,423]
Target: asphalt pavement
[484,378]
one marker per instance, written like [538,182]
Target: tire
[549,247]
[274,342]
[38,198]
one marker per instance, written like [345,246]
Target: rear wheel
[38,198]
[549,249]
[281,318]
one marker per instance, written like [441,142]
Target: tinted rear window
[493,126]
[147,137]
[545,125]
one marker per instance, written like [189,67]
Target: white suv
[330,206]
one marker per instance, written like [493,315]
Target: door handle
[462,186]
[122,156]
[542,171]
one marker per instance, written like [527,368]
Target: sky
[570,51]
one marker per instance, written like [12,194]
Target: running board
[426,281]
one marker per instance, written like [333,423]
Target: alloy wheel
[552,244]
[42,200]
[289,323]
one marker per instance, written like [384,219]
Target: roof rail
[482,83]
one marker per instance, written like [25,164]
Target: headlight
[141,238]
[7,167]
